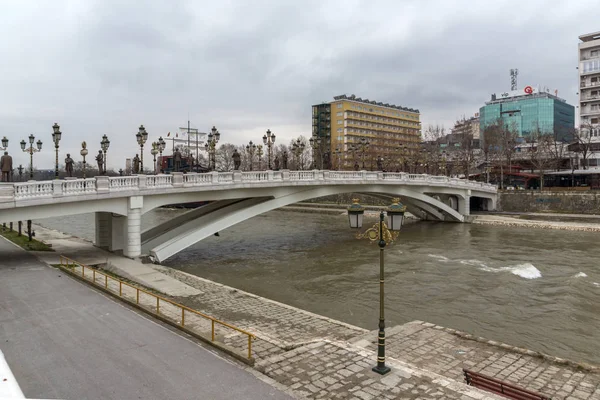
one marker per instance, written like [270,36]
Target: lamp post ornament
[31,150]
[383,234]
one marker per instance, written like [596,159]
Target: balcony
[587,111]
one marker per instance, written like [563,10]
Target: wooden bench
[502,388]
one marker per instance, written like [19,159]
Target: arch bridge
[119,203]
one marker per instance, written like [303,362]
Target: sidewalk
[318,357]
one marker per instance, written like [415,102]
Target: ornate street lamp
[269,140]
[383,234]
[83,152]
[315,143]
[4,144]
[363,146]
[211,147]
[161,147]
[250,149]
[104,144]
[444,162]
[141,137]
[31,150]
[154,152]
[338,154]
[298,149]
[56,136]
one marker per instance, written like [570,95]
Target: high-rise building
[530,110]
[346,125]
[589,86]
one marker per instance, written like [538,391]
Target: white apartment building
[589,92]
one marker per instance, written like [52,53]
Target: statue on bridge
[177,160]
[285,160]
[237,160]
[136,164]
[6,167]
[69,165]
[327,160]
[356,166]
[100,161]
[379,163]
[276,163]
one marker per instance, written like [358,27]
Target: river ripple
[533,288]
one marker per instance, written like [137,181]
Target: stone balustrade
[149,184]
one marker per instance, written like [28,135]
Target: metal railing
[151,303]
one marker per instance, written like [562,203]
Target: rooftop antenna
[513,78]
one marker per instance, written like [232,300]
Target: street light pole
[161,147]
[83,152]
[269,141]
[250,149]
[141,137]
[384,234]
[211,147]
[259,154]
[31,150]
[104,144]
[154,152]
[56,136]
[298,149]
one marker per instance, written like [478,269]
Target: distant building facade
[528,110]
[589,96]
[344,122]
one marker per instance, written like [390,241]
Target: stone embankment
[312,356]
[516,221]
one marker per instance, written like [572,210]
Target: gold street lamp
[383,234]
[154,152]
[298,149]
[31,150]
[104,144]
[4,143]
[211,147]
[161,147]
[259,154]
[250,149]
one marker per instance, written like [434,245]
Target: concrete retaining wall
[547,201]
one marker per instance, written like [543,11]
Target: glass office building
[528,110]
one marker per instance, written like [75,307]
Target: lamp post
[259,154]
[211,147]
[104,144]
[56,136]
[161,147]
[298,149]
[4,143]
[338,154]
[154,152]
[83,152]
[269,141]
[31,150]
[383,234]
[444,161]
[250,149]
[141,137]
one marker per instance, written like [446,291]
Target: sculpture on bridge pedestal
[276,163]
[237,160]
[177,160]
[69,165]
[379,163]
[6,166]
[356,166]
[100,161]
[327,160]
[136,164]
[284,158]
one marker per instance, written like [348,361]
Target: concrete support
[132,227]
[117,239]
[103,229]
[464,205]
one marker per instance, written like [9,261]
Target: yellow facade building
[352,130]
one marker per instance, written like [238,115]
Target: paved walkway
[64,340]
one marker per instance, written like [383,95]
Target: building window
[594,120]
[340,121]
[340,130]
[594,53]
[339,114]
[339,105]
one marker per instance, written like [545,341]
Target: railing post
[285,174]
[57,188]
[120,288]
[237,176]
[212,330]
[326,175]
[142,183]
[214,177]
[363,175]
[249,347]
[137,295]
[270,175]
[106,281]
[177,179]
[158,305]
[102,184]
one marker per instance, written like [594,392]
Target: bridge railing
[102,184]
[177,314]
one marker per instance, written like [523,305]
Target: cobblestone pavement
[329,370]
[317,357]
[445,352]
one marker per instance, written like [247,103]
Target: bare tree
[223,157]
[540,154]
[582,139]
[492,146]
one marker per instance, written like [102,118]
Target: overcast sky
[105,67]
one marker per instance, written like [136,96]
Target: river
[532,288]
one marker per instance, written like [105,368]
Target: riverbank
[569,222]
[318,357]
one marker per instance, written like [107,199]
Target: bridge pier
[464,204]
[103,230]
[132,233]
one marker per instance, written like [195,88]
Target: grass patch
[23,241]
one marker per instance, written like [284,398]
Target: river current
[533,288]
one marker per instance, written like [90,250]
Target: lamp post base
[381,369]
